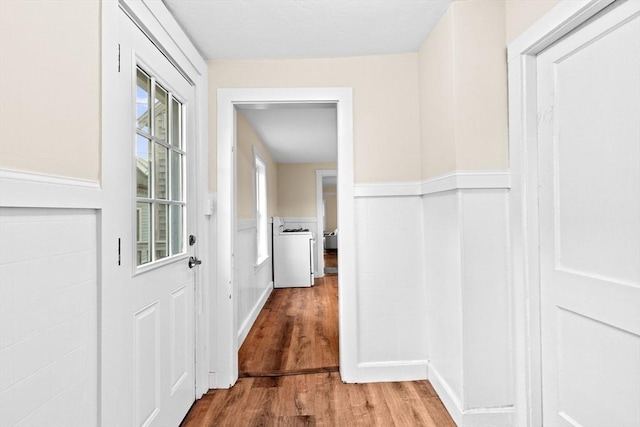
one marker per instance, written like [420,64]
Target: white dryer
[293,251]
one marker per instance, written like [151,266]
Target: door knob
[193,261]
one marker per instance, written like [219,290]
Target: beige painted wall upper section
[480,69]
[331,211]
[463,84]
[385,105]
[521,14]
[297,188]
[50,87]
[247,139]
[437,103]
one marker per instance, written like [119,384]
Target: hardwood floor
[330,262]
[288,374]
[296,332]
[319,400]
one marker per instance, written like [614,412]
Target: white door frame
[321,173]
[523,153]
[225,361]
[155,20]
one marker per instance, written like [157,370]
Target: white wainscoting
[48,313]
[391,292]
[48,299]
[433,290]
[468,304]
[253,283]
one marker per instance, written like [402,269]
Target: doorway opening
[287,310]
[227,301]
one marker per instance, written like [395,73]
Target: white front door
[148,287]
[589,210]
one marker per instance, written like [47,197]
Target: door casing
[224,369]
[523,201]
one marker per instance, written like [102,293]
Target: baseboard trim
[476,417]
[401,370]
[253,315]
[451,181]
[33,190]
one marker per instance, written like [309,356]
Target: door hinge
[118,57]
[118,251]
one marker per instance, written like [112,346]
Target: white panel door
[148,287]
[589,210]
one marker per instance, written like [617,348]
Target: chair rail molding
[28,189]
[456,180]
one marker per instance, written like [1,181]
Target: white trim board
[523,200]
[395,370]
[245,224]
[495,417]
[27,189]
[456,180]
[245,328]
[225,360]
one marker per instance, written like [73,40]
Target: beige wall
[331,210]
[247,139]
[297,188]
[436,88]
[480,68]
[385,105]
[521,14]
[50,87]
[463,84]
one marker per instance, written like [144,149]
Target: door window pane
[161,226]
[176,176]
[142,101]
[161,172]
[160,167]
[177,238]
[143,171]
[143,233]
[161,114]
[176,124]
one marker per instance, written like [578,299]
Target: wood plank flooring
[320,400]
[296,332]
[288,367]
[330,262]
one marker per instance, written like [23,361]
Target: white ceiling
[231,29]
[296,133]
[234,29]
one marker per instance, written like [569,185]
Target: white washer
[292,256]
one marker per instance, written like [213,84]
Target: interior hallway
[288,368]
